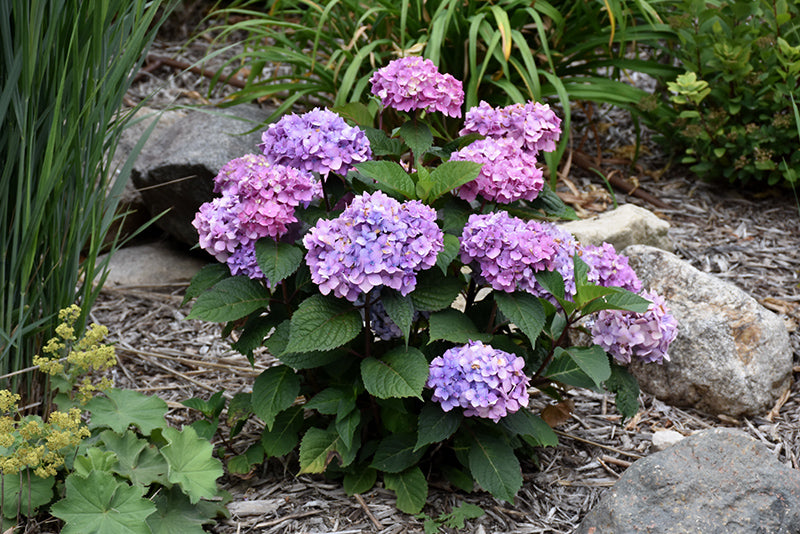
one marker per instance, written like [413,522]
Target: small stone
[664,438]
[626,225]
[258,507]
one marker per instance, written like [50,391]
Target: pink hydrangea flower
[415,83]
[533,126]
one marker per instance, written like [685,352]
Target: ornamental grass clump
[414,322]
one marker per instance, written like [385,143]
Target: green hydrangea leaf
[121,408]
[495,466]
[381,144]
[593,361]
[401,372]
[524,310]
[360,481]
[451,175]
[229,300]
[618,300]
[564,369]
[137,459]
[204,279]
[529,425]
[318,449]
[448,253]
[452,325]
[436,425]
[276,345]
[328,400]
[23,488]
[322,323]
[273,391]
[400,310]
[418,137]
[626,389]
[391,177]
[101,503]
[191,463]
[277,260]
[396,453]
[434,291]
[410,487]
[347,422]
[283,438]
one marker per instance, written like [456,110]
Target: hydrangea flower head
[415,83]
[376,241]
[645,336]
[566,247]
[484,381]
[219,227]
[243,262]
[508,172]
[319,141]
[507,250]
[533,126]
[609,269]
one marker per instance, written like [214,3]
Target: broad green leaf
[360,481]
[318,449]
[390,175]
[381,144]
[554,284]
[434,291]
[95,459]
[448,253]
[436,425]
[563,368]
[273,391]
[355,112]
[283,438]
[588,292]
[593,361]
[138,460]
[453,325]
[347,422]
[451,175]
[626,389]
[417,136]
[410,487]
[175,513]
[209,408]
[396,453]
[277,260]
[204,279]
[401,372]
[239,410]
[620,300]
[461,513]
[276,345]
[121,408]
[327,401]
[191,463]
[100,503]
[256,328]
[495,466]
[243,464]
[524,423]
[322,323]
[524,310]
[459,478]
[23,488]
[400,310]
[230,299]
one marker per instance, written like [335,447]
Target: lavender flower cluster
[258,200]
[534,127]
[645,336]
[508,173]
[609,269]
[318,141]
[484,381]
[376,241]
[415,83]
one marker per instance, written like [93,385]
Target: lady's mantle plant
[415,295]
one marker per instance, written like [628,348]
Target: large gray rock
[732,356]
[151,265]
[627,225]
[718,481]
[176,169]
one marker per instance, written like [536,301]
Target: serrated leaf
[418,137]
[396,453]
[229,300]
[317,450]
[436,425]
[239,410]
[495,466]
[283,438]
[452,325]
[191,463]
[176,513]
[524,310]
[95,459]
[553,283]
[448,253]
[242,464]
[276,345]
[566,370]
[434,291]
[381,144]
[322,323]
[390,175]
[101,503]
[461,513]
[252,335]
[626,389]
[356,112]
[400,310]
[22,489]
[273,391]
[209,408]
[459,478]
[361,481]
[121,408]
[205,278]
[451,175]
[277,260]
[138,460]
[524,423]
[619,300]
[346,425]
[401,372]
[410,487]
[593,361]
[327,401]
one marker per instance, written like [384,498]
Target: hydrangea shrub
[415,293]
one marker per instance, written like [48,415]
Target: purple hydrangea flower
[379,321]
[376,241]
[507,250]
[533,126]
[243,261]
[319,141]
[258,200]
[646,336]
[566,247]
[609,269]
[482,380]
[508,172]
[415,83]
